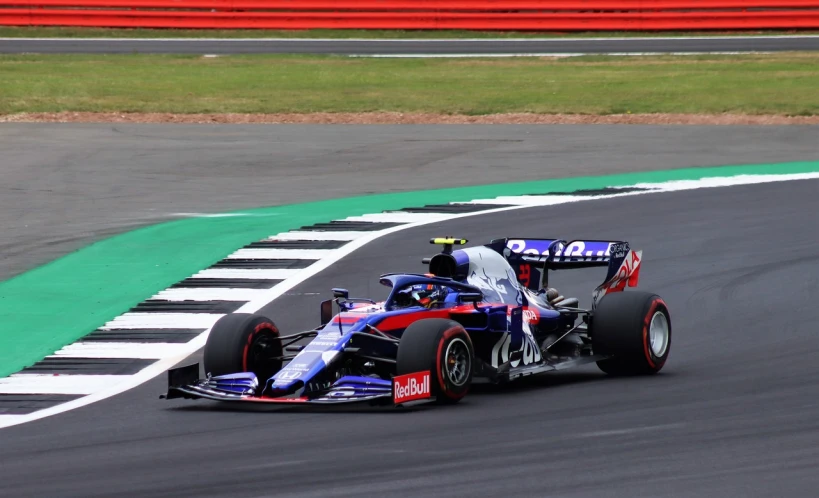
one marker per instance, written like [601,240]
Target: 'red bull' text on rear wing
[533,258]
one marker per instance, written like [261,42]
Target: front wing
[184,382]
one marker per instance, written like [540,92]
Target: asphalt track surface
[501,46]
[65,186]
[734,412]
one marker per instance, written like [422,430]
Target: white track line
[338,236]
[270,274]
[207,294]
[163,321]
[143,350]
[105,386]
[718,182]
[397,217]
[57,384]
[532,200]
[281,254]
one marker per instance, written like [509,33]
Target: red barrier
[326,20]
[534,15]
[422,5]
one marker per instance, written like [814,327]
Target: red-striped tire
[242,342]
[444,348]
[634,328]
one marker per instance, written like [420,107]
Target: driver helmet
[426,295]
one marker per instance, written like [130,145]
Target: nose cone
[310,362]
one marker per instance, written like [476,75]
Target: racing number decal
[525,274]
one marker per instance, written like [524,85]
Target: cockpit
[428,296]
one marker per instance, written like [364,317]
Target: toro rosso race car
[480,314]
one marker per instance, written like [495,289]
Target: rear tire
[635,329]
[444,348]
[241,342]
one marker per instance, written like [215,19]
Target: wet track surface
[412,47]
[734,413]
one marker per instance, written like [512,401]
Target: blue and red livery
[480,314]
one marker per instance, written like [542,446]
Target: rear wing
[556,254]
[533,258]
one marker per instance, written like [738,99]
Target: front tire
[242,342]
[444,348]
[635,329]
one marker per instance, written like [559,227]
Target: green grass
[753,84]
[72,32]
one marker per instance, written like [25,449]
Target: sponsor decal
[528,347]
[411,387]
[318,348]
[627,274]
[531,316]
[287,375]
[323,343]
[577,250]
[530,352]
[619,250]
[520,247]
[291,372]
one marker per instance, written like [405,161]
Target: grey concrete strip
[67,185]
[497,46]
[732,413]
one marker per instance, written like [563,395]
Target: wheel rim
[458,363]
[658,334]
[261,353]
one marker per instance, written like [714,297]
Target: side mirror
[471,297]
[341,293]
[326,311]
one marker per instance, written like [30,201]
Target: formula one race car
[483,313]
